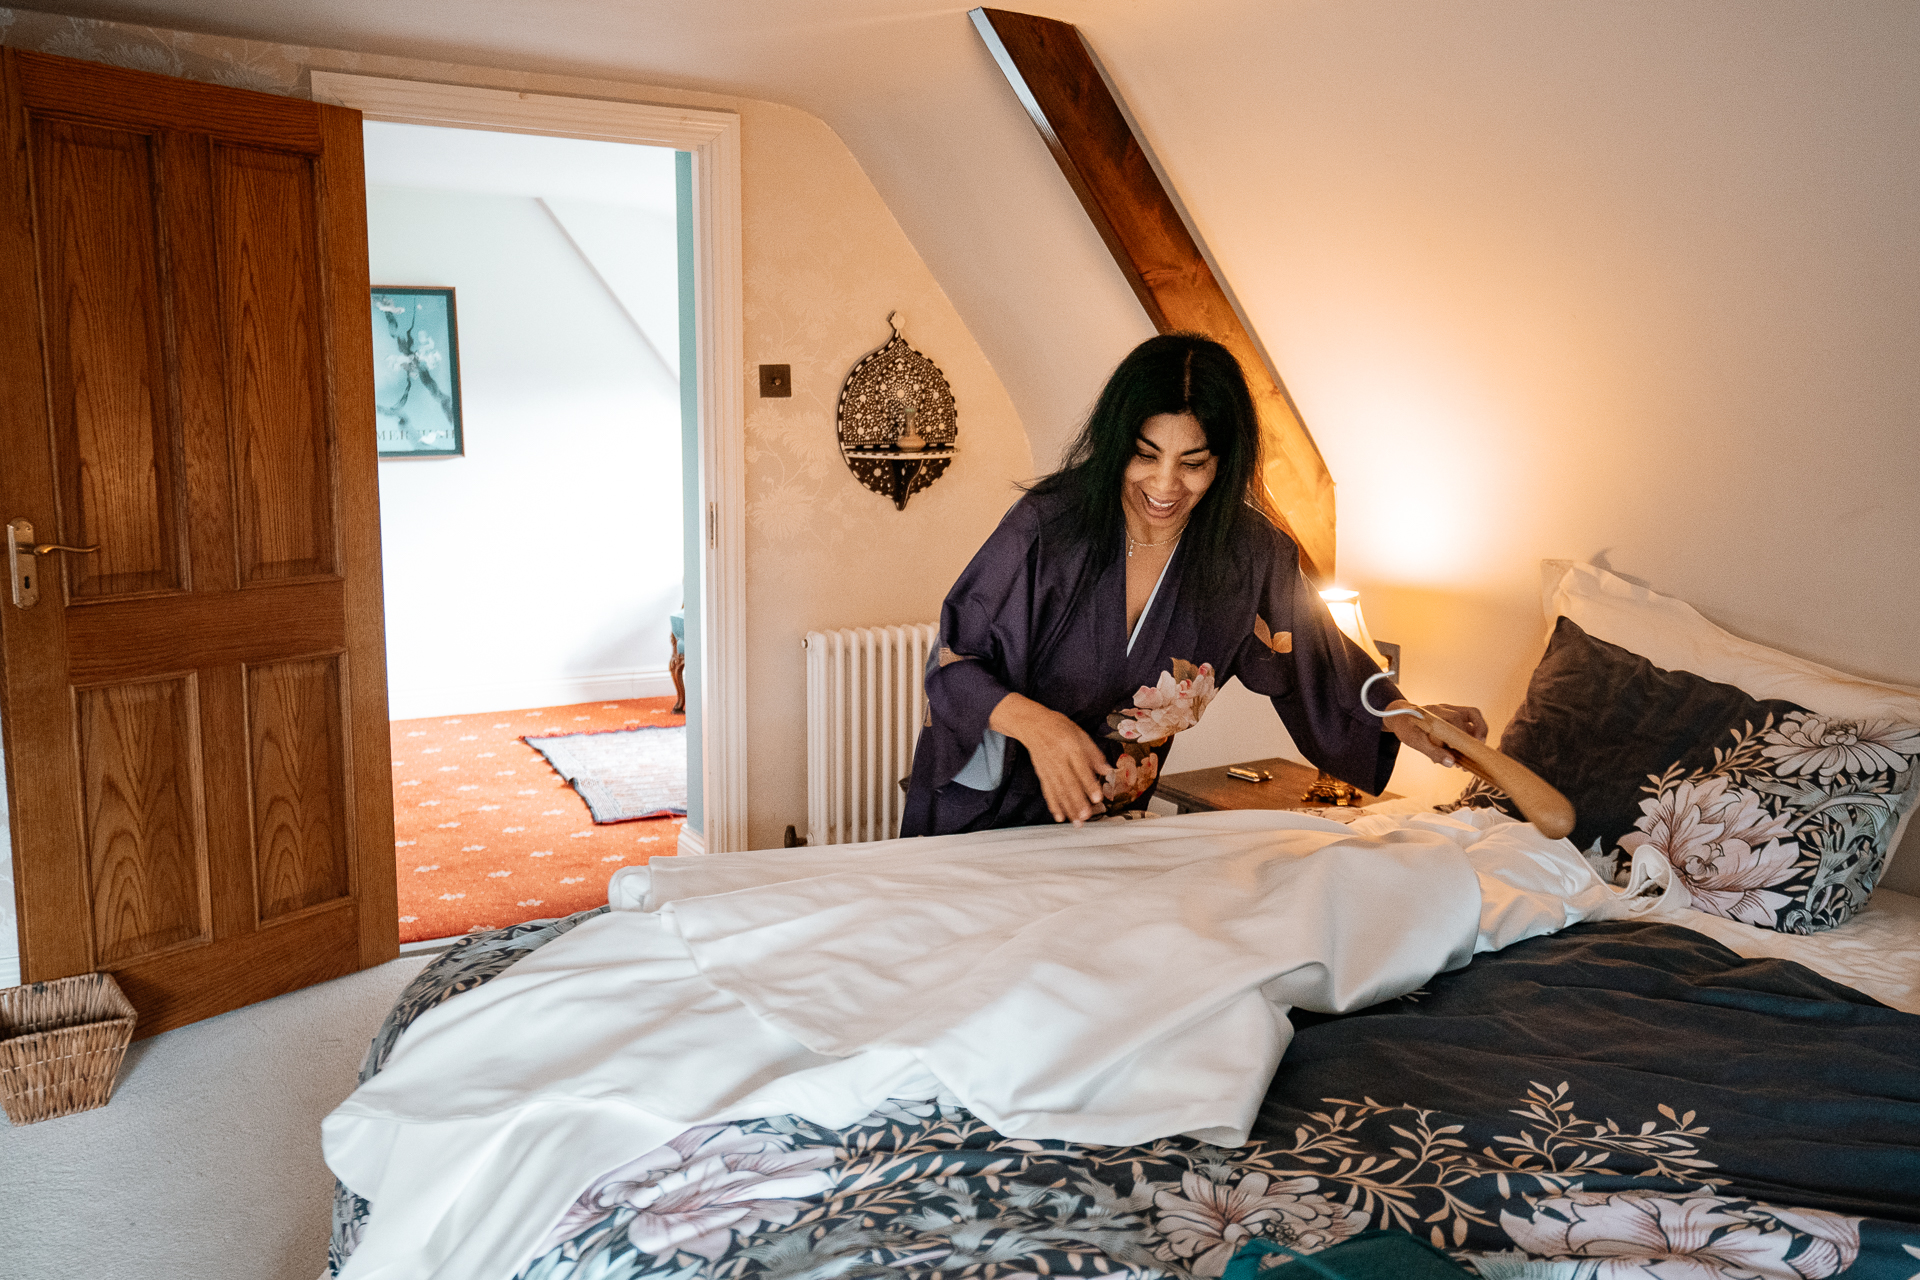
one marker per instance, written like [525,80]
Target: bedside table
[1201,790]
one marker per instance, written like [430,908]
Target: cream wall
[825,262]
[823,551]
[1630,283]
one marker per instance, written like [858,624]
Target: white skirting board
[421,702]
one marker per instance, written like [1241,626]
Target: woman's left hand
[1408,730]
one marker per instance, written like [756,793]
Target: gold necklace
[1133,542]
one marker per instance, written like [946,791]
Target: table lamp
[1344,605]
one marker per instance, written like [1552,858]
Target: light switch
[776,380]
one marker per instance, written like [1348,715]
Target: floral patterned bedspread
[1628,1099]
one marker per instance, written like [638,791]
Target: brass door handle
[21,548]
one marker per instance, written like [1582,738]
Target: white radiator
[865,701]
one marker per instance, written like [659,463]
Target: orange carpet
[486,834]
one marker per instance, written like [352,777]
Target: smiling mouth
[1156,508]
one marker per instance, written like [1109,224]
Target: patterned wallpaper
[825,262]
[239,64]
[824,551]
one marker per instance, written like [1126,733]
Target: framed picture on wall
[416,372]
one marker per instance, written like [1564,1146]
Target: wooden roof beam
[1053,73]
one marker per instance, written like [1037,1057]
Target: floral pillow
[1773,815]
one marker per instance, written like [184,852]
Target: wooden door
[195,714]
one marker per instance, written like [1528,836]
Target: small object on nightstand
[1248,774]
[1202,790]
[1329,790]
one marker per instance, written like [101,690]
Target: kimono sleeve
[981,651]
[1295,655]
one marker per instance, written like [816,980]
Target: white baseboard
[692,843]
[423,701]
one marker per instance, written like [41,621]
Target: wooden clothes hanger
[1538,801]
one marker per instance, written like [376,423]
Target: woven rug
[623,774]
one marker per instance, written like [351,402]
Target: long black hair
[1173,373]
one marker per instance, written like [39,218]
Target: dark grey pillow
[1773,815]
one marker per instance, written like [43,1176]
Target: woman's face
[1170,471]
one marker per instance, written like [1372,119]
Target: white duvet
[1110,984]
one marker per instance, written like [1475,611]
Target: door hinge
[713,524]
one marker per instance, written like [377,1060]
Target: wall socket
[1391,652]
[776,380]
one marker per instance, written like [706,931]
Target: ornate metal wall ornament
[897,420]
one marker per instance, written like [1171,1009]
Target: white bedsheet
[1878,951]
[1109,985]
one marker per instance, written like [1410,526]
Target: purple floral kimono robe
[1014,623]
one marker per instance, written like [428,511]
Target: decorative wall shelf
[898,474]
[897,420]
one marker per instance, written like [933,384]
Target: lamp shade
[1344,605]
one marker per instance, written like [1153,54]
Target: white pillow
[1672,635]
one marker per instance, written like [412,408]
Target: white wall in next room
[541,567]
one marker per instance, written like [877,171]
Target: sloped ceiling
[1616,278]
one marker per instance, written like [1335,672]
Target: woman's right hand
[1066,760]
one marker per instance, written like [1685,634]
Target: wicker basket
[61,1043]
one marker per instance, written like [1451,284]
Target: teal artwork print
[416,372]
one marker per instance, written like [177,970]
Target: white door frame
[714,139]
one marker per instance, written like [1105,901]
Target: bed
[1500,1107]
[1674,1094]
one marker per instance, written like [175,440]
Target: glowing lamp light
[1344,605]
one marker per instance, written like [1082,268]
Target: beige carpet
[206,1165]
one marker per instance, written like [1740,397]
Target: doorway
[527,353]
[713,391]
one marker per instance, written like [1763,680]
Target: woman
[1116,597]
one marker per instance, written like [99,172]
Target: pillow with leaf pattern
[1773,815]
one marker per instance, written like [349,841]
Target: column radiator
[865,703]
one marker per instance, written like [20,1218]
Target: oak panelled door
[195,712]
